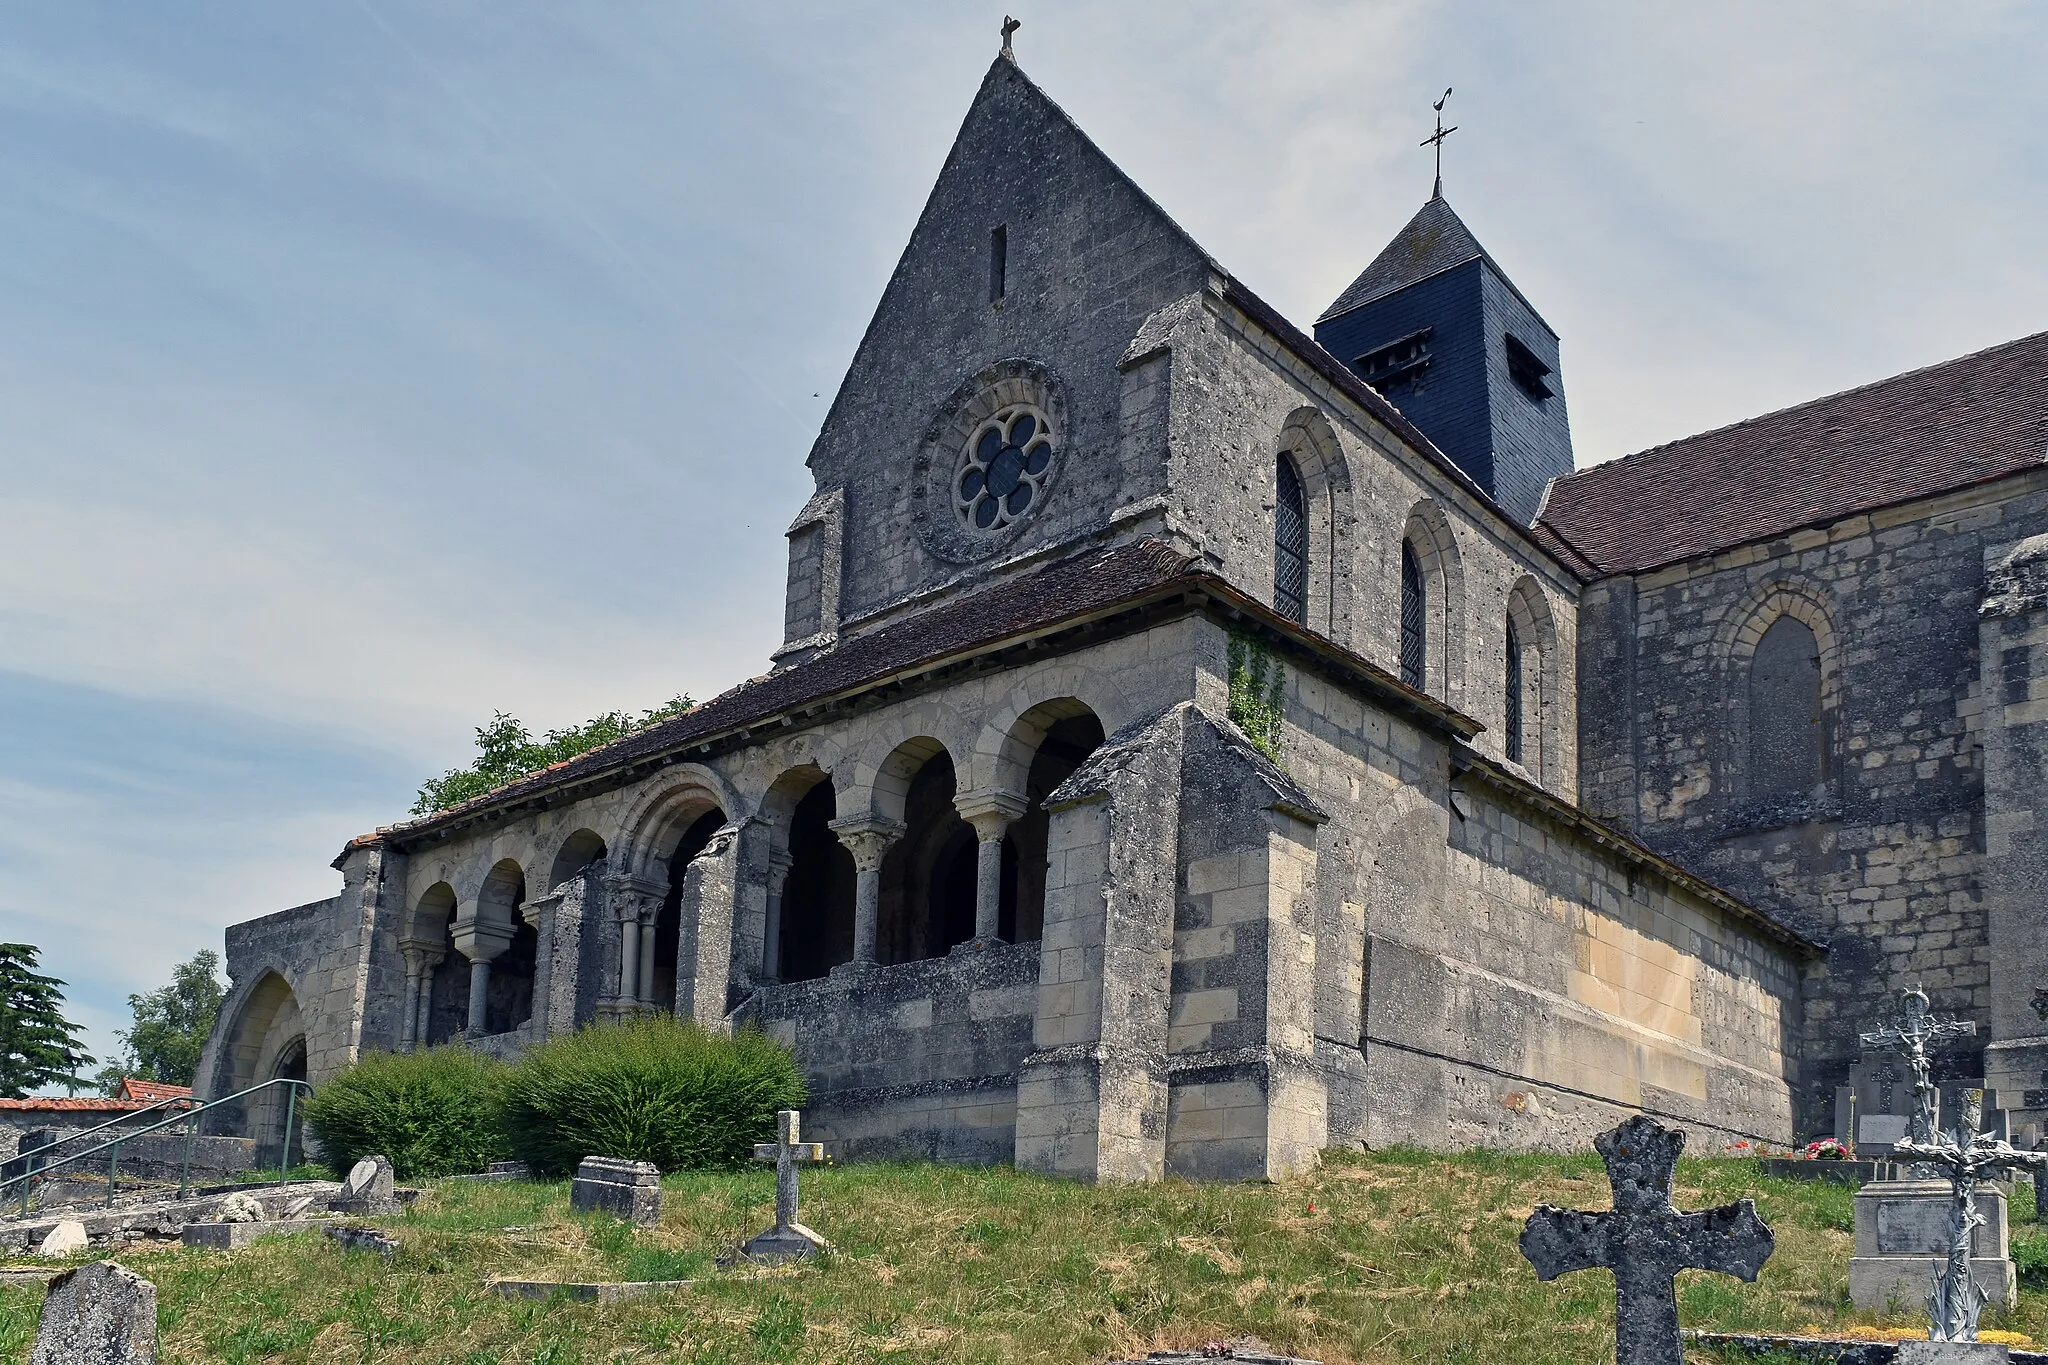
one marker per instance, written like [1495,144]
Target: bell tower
[1435,324]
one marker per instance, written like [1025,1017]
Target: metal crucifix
[1436,140]
[1645,1241]
[1910,1038]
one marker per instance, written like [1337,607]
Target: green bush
[648,1089]
[433,1112]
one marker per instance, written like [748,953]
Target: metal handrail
[125,1116]
[113,1145]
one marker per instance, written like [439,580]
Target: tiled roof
[1434,241]
[1053,594]
[1062,593]
[43,1104]
[1946,427]
[149,1092]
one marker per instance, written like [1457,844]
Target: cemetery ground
[1378,1257]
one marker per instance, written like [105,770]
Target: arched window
[1414,621]
[1786,755]
[1512,693]
[1290,545]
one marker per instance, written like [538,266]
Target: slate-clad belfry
[1196,744]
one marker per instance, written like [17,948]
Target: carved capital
[633,900]
[991,810]
[868,839]
[422,955]
[481,940]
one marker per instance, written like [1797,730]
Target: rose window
[1004,469]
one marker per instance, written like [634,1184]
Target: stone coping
[14,1275]
[168,1218]
[1829,1350]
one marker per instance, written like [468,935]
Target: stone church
[1198,742]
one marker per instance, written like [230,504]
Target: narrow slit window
[1514,694]
[1290,545]
[1414,621]
[998,263]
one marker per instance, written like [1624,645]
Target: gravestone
[624,1189]
[1881,1098]
[98,1314]
[371,1187]
[1950,1353]
[788,1239]
[64,1239]
[1645,1241]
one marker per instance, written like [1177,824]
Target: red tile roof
[43,1104]
[149,1092]
[1949,426]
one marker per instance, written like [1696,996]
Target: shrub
[648,1089]
[433,1112]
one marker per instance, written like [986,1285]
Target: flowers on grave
[1826,1149]
[1864,1332]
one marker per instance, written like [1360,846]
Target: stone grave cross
[1966,1157]
[1910,1038]
[1645,1241]
[788,1237]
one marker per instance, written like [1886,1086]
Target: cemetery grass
[1396,1256]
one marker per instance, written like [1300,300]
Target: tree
[505,751]
[38,1045]
[171,1026]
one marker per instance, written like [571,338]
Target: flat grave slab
[586,1291]
[230,1236]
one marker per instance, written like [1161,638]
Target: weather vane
[1010,26]
[1436,139]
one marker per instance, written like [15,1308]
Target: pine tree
[38,1045]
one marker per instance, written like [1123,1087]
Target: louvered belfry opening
[1290,545]
[1414,621]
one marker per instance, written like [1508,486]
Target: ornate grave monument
[1902,1226]
[1966,1157]
[1645,1241]
[788,1239]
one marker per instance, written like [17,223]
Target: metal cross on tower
[1436,140]
[1645,1241]
[1910,1038]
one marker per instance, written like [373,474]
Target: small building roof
[57,1104]
[149,1092]
[1966,421]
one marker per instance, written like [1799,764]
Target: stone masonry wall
[1884,859]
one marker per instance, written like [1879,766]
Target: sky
[368,366]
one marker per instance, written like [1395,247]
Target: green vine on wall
[1255,681]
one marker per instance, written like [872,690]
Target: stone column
[2012,639]
[421,957]
[771,944]
[634,902]
[868,839]
[991,812]
[481,941]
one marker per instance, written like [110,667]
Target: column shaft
[867,914]
[409,1020]
[988,889]
[646,979]
[479,993]
[629,960]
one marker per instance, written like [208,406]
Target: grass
[1377,1258]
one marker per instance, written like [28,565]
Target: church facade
[1197,743]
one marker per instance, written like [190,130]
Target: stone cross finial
[788,1238]
[1010,26]
[1910,1038]
[1645,1241]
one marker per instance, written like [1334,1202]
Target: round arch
[579,849]
[658,819]
[1308,439]
[1535,629]
[1435,542]
[1741,631]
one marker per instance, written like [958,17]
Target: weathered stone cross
[788,1238]
[1910,1038]
[1645,1241]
